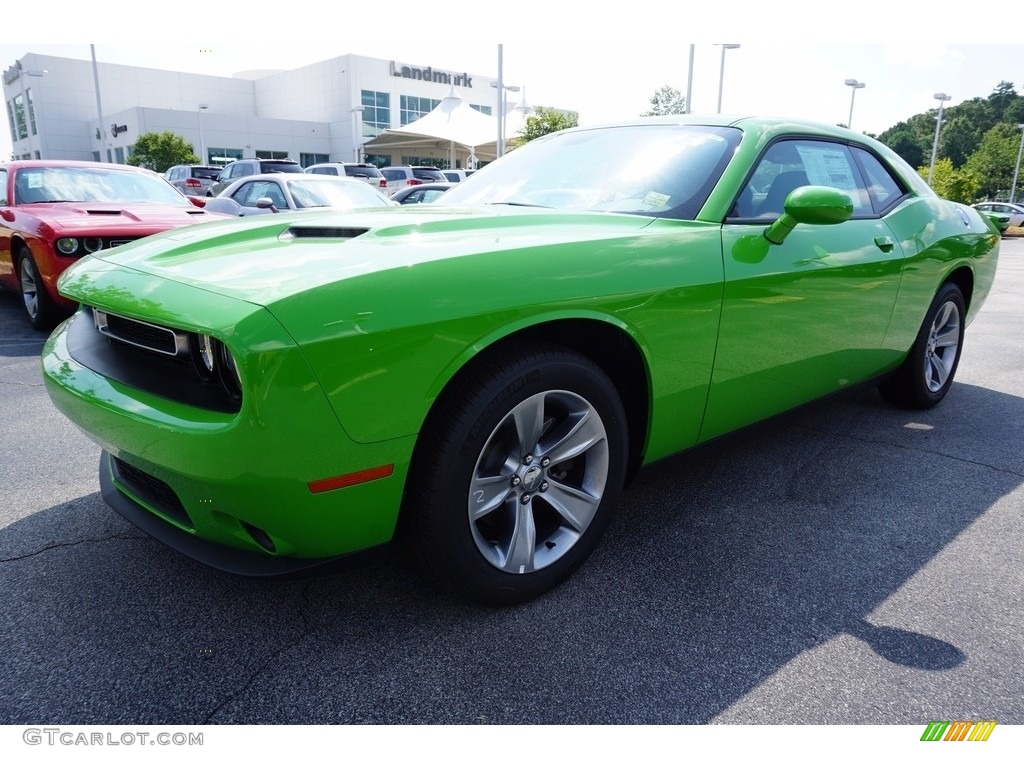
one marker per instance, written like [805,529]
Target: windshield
[655,170]
[318,192]
[93,185]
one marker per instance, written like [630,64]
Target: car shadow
[719,569]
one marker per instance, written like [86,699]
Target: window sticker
[828,167]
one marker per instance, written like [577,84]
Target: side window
[3,188]
[246,194]
[883,188]
[796,163]
[249,193]
[326,171]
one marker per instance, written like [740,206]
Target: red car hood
[124,217]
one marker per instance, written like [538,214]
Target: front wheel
[42,312]
[516,476]
[926,375]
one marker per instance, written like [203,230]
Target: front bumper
[232,560]
[237,481]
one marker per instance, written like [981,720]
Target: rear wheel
[926,375]
[516,477]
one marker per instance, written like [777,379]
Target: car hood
[118,216]
[267,258]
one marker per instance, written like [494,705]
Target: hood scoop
[324,233]
[104,212]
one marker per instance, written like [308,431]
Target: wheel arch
[608,344]
[963,278]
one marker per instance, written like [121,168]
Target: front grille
[146,335]
[152,491]
[139,355]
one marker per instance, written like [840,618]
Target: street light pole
[942,97]
[721,71]
[356,133]
[689,83]
[503,90]
[500,147]
[202,143]
[854,85]
[1016,170]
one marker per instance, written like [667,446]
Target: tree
[159,151]
[667,101]
[543,121]
[994,160]
[958,184]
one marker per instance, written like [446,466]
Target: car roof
[16,164]
[296,177]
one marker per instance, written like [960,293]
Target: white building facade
[60,108]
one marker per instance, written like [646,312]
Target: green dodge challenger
[480,377]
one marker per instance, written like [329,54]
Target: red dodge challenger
[54,212]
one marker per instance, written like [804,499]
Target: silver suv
[399,176]
[250,167]
[192,180]
[362,171]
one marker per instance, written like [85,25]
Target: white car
[361,171]
[274,192]
[457,174]
[1014,210]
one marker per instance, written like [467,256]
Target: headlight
[93,244]
[67,245]
[213,361]
[203,354]
[228,371]
[206,355]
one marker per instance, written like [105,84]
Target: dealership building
[71,109]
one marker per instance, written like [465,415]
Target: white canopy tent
[453,129]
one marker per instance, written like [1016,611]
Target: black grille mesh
[153,491]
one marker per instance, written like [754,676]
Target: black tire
[925,377]
[42,312]
[516,475]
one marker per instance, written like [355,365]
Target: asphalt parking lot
[851,564]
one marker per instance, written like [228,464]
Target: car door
[808,316]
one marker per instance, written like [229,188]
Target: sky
[605,65]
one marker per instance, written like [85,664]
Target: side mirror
[810,205]
[266,202]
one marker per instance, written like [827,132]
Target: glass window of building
[376,112]
[415,107]
[31,112]
[307,159]
[481,108]
[223,155]
[19,117]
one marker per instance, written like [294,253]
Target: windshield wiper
[521,205]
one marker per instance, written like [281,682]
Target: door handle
[885,244]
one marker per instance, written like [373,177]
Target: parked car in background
[193,179]
[399,176]
[456,175]
[482,378]
[275,192]
[362,171]
[1014,211]
[421,193]
[54,212]
[250,167]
